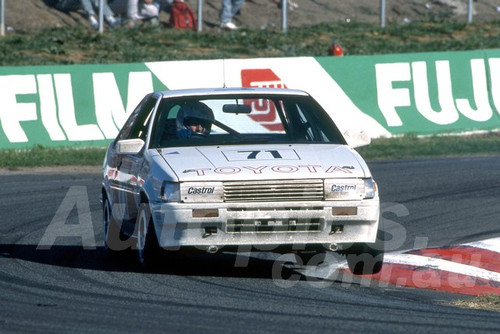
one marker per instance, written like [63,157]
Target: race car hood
[213,163]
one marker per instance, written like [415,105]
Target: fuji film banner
[386,95]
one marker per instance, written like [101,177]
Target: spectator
[228,10]
[140,10]
[89,7]
[291,4]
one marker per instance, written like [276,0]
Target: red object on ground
[336,50]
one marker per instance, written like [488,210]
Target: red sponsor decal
[262,111]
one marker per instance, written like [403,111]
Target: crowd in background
[118,12]
[131,13]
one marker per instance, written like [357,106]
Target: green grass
[410,146]
[42,156]
[64,46]
[380,149]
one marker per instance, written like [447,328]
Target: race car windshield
[240,120]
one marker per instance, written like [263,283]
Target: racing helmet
[195,113]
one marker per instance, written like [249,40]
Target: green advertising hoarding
[424,93]
[80,105]
[431,93]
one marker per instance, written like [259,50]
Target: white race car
[219,169]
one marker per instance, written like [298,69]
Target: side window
[164,127]
[317,123]
[137,124]
[300,124]
[315,126]
[305,123]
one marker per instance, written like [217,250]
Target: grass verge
[381,149]
[488,302]
[39,156]
[411,146]
[64,46]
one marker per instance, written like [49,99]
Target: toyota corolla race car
[219,169]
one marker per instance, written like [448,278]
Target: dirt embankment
[29,15]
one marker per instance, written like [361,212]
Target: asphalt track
[54,283]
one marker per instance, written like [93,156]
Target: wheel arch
[143,197]
[104,193]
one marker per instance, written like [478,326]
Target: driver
[194,119]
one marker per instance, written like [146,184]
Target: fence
[284,15]
[2,17]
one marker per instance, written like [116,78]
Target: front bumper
[266,225]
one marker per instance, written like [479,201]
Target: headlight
[170,192]
[344,189]
[201,192]
[370,188]
[349,189]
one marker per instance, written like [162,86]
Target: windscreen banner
[385,95]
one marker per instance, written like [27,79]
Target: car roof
[232,91]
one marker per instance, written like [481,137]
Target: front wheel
[365,259]
[148,249]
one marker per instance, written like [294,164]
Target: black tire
[365,259]
[148,249]
[311,258]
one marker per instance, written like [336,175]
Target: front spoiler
[267,226]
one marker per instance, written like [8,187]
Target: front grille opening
[280,209]
[274,225]
[274,191]
[337,229]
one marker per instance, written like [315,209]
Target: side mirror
[357,138]
[129,146]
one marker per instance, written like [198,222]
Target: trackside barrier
[421,93]
[2,17]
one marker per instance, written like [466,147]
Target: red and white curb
[472,268]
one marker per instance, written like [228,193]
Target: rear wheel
[148,249]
